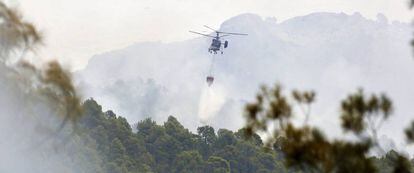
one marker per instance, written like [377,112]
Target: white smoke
[36,106]
[330,53]
[211,101]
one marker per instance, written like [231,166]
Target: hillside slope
[331,53]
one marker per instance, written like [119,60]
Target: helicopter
[216,46]
[216,43]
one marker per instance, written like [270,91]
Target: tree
[92,113]
[225,137]
[188,162]
[145,127]
[306,147]
[207,138]
[216,164]
[116,151]
[254,138]
[179,133]
[207,134]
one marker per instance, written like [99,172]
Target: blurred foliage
[16,34]
[51,84]
[306,148]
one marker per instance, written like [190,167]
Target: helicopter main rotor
[218,33]
[202,34]
[221,32]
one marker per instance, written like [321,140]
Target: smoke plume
[36,105]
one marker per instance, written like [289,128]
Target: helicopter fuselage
[215,46]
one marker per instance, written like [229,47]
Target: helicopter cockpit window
[216,42]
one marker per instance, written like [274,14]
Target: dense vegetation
[104,142]
[170,147]
[307,148]
[113,146]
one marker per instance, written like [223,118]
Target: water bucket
[210,80]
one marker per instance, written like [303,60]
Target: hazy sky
[77,29]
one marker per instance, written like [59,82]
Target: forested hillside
[116,147]
[331,53]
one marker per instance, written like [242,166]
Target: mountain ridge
[272,20]
[332,53]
